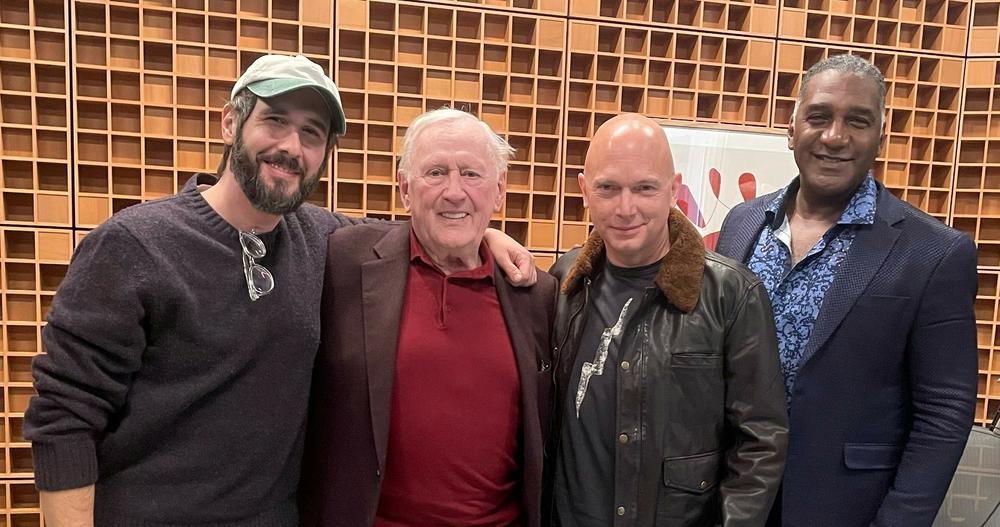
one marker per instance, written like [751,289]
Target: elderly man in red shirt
[432,388]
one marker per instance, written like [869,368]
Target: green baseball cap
[272,75]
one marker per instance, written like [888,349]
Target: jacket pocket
[883,301]
[696,359]
[698,473]
[872,456]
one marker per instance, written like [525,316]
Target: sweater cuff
[65,465]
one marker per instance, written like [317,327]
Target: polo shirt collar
[483,272]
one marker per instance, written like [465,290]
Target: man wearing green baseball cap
[273,75]
[180,344]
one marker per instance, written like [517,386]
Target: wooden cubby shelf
[151,81]
[939,26]
[987,300]
[976,208]
[20,505]
[34,114]
[759,17]
[540,7]
[544,260]
[922,103]
[33,263]
[984,37]
[399,59]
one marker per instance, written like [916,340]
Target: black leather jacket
[701,401]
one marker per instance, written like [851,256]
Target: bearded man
[181,342]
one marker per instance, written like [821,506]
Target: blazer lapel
[520,339]
[527,366]
[748,229]
[383,285]
[867,253]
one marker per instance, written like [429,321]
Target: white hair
[499,150]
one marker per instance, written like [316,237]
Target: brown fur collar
[680,274]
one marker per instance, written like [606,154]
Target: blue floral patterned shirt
[797,292]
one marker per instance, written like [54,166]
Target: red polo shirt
[454,432]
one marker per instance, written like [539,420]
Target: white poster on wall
[722,168]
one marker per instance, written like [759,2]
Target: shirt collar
[483,272]
[859,211]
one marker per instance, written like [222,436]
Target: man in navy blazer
[873,304]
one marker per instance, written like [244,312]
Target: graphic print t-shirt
[584,481]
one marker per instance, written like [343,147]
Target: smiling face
[630,186]
[280,151]
[836,134]
[451,189]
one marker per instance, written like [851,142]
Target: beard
[274,199]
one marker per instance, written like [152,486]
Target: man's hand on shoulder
[517,263]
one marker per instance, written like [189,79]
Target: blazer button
[621,511]
[623,438]
[378,473]
[703,485]
[625,365]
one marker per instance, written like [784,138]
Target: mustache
[282,161]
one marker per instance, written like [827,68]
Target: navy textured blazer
[886,390]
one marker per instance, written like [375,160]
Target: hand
[515,261]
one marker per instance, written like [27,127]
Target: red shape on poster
[687,204]
[715,179]
[748,186]
[711,239]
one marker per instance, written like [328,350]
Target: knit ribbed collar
[216,223]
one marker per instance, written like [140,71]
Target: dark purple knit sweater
[163,383]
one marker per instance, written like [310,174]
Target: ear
[501,190]
[582,181]
[675,187]
[404,189]
[228,124]
[881,139]
[791,133]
